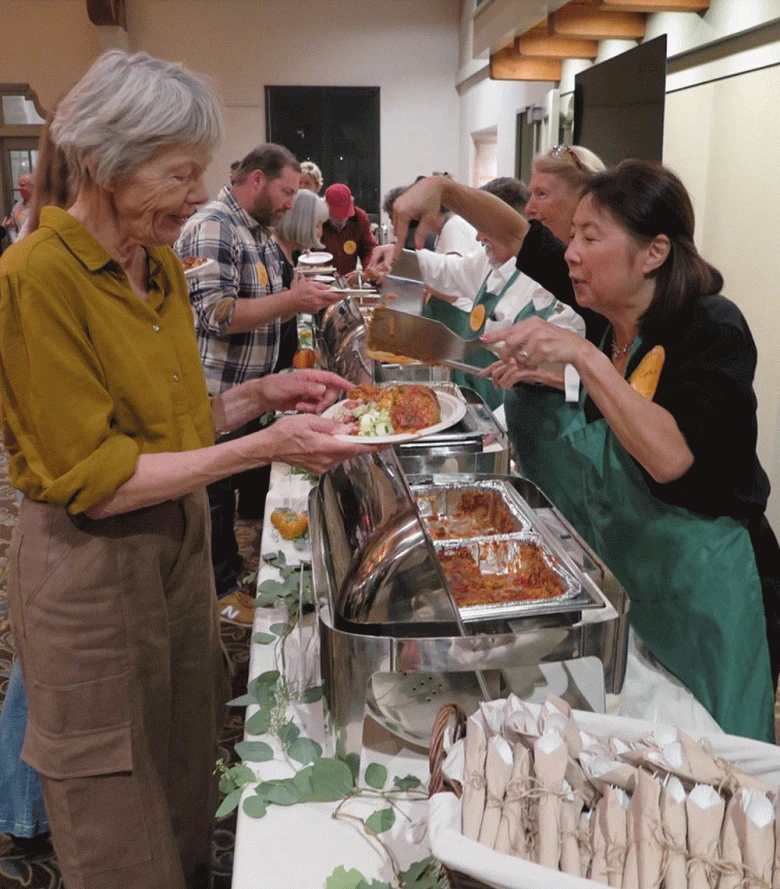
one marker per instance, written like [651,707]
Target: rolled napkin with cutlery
[498,771]
[550,758]
[474,781]
[675,833]
[511,838]
[705,809]
[756,832]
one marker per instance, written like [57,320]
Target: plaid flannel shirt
[225,232]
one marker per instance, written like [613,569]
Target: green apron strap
[472,325]
[450,315]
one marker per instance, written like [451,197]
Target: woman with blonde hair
[298,230]
[311,177]
[558,179]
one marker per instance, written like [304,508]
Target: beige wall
[46,43]
[407,48]
[721,138]
[488,104]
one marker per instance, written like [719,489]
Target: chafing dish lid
[382,567]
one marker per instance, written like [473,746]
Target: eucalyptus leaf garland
[425,874]
[320,779]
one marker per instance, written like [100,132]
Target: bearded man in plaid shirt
[239,305]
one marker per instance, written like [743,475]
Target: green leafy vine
[318,778]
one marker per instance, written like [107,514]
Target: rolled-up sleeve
[213,294]
[57,413]
[452,274]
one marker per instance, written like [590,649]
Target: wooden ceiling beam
[508,64]
[651,6]
[541,29]
[583,23]
[557,47]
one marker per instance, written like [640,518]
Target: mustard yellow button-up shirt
[91,375]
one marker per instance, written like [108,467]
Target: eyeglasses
[566,151]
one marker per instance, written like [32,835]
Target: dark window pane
[337,128]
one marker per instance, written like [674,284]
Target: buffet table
[393,649]
[299,846]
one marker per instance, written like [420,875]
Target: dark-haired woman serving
[659,470]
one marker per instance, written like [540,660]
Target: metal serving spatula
[420,338]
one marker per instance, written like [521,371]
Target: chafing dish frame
[352,652]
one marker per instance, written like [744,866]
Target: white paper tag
[571,383]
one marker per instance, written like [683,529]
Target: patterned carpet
[34,865]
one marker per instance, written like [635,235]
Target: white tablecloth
[299,846]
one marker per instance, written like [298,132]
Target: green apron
[692,580]
[536,417]
[460,322]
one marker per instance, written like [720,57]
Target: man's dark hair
[271,159]
[511,191]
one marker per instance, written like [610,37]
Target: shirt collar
[499,276]
[226,196]
[76,238]
[91,252]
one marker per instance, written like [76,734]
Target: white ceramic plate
[324,279]
[206,266]
[452,410]
[316,258]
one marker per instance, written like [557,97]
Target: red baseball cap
[339,199]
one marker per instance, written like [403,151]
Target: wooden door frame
[16,137]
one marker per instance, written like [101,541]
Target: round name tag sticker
[477,318]
[262,274]
[350,247]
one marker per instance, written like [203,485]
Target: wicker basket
[450,714]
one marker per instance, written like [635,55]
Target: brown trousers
[117,628]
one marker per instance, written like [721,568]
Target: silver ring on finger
[522,353]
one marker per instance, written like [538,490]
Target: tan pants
[118,633]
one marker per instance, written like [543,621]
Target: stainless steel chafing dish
[476,444]
[340,336]
[391,634]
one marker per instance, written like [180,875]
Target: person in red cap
[347,233]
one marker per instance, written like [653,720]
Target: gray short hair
[511,191]
[128,107]
[392,196]
[298,226]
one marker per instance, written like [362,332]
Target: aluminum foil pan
[445,499]
[447,386]
[414,372]
[498,555]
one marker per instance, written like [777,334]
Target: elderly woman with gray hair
[298,230]
[111,438]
